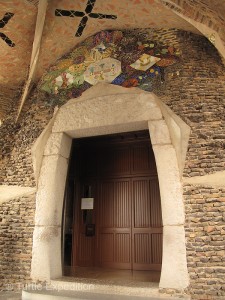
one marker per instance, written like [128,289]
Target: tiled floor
[112,274]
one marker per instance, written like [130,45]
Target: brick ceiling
[59,31]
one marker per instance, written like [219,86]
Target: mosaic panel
[124,58]
[144,62]
[85,15]
[104,70]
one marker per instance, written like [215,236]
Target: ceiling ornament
[3,22]
[84,15]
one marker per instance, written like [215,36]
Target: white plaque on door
[87,203]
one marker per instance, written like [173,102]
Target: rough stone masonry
[194,89]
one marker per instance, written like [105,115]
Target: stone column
[46,255]
[174,274]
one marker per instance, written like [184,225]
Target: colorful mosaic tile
[105,70]
[145,62]
[121,58]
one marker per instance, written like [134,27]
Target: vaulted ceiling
[27,52]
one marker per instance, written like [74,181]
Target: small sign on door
[87,203]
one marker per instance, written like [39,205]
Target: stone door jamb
[108,109]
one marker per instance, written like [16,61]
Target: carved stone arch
[107,109]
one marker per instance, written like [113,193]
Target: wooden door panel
[86,247]
[157,248]
[142,205]
[122,248]
[140,158]
[115,221]
[143,160]
[146,255]
[105,213]
[122,204]
[114,161]
[127,210]
[147,228]
[142,248]
[106,249]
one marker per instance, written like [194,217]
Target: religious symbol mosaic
[84,15]
[3,22]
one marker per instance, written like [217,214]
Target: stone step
[81,295]
[85,289]
[10,295]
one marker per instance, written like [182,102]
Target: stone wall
[200,11]
[194,89]
[16,236]
[205,234]
[16,140]
[197,96]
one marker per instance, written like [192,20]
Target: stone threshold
[97,289]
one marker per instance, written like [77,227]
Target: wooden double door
[123,181]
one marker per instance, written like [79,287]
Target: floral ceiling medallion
[145,62]
[104,70]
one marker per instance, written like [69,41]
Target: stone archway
[106,109]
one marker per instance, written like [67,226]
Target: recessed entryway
[122,229]
[106,109]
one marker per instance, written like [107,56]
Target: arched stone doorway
[107,109]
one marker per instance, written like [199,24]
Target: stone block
[105,111]
[159,132]
[46,253]
[174,272]
[170,185]
[58,144]
[51,187]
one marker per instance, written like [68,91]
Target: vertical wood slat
[105,205]
[142,248]
[106,243]
[122,204]
[85,251]
[140,158]
[157,248]
[114,219]
[141,203]
[114,161]
[122,248]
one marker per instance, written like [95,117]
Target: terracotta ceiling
[17,34]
